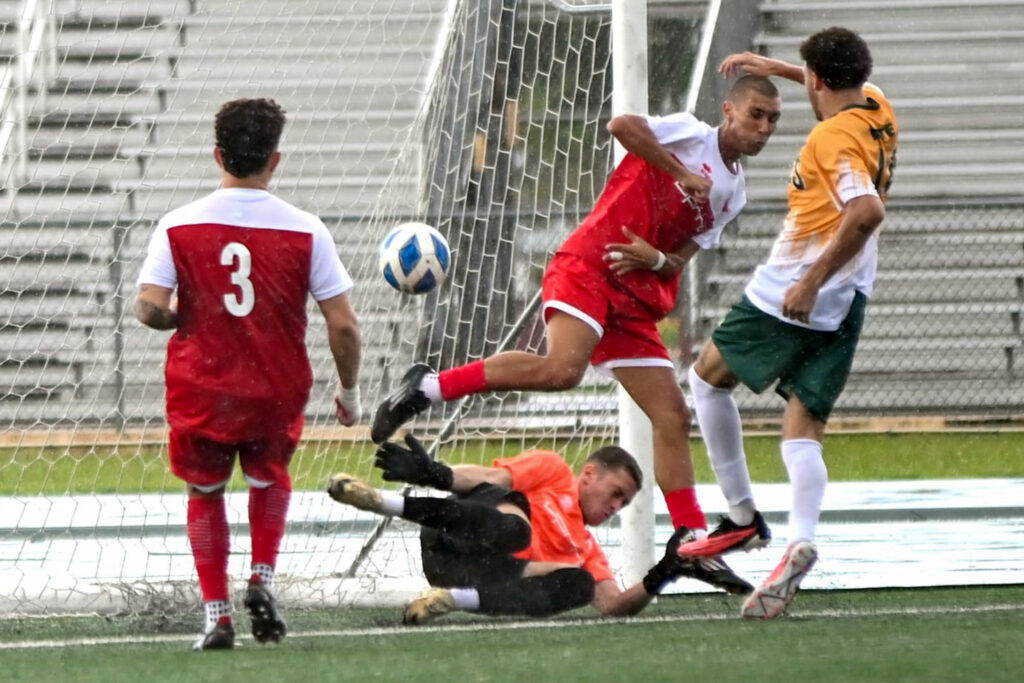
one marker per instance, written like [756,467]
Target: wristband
[662,260]
[349,398]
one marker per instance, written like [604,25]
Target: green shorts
[814,365]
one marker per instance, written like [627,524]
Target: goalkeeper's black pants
[467,542]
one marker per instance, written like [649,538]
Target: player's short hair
[749,83]
[615,458]
[839,56]
[247,131]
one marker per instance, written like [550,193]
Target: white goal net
[484,118]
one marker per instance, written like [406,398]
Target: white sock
[466,599]
[392,503]
[265,572]
[215,609]
[808,476]
[430,385]
[720,426]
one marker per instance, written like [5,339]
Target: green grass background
[890,636]
[850,457]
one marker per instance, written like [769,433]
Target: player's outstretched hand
[412,465]
[347,406]
[669,567]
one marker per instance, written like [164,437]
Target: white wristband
[349,399]
[662,260]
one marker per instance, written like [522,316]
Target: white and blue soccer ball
[414,258]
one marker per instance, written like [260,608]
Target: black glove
[413,465]
[671,566]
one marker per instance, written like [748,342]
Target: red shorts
[628,330]
[203,462]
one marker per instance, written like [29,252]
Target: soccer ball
[414,258]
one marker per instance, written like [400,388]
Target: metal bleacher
[943,333]
[121,131]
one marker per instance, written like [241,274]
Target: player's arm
[861,217]
[344,340]
[154,309]
[465,477]
[759,65]
[413,464]
[612,601]
[639,254]
[634,133]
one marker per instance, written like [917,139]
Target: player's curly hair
[615,458]
[839,56]
[247,132]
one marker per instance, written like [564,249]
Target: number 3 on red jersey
[239,303]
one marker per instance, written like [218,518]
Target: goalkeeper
[512,539]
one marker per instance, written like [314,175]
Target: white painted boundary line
[515,626]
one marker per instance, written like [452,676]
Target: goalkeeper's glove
[670,567]
[413,465]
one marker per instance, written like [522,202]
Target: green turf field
[964,634]
[850,457]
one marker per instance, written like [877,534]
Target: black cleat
[220,637]
[401,405]
[714,571]
[267,624]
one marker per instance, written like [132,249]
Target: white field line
[514,626]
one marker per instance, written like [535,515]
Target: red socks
[684,509]
[462,381]
[268,511]
[210,537]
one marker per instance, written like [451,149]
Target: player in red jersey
[512,539]
[242,262]
[617,275]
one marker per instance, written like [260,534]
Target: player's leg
[265,465]
[756,349]
[576,302]
[655,390]
[542,595]
[811,389]
[487,519]
[569,342]
[206,466]
[711,383]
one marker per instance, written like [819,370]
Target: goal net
[484,118]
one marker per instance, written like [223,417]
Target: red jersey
[647,200]
[243,262]
[559,533]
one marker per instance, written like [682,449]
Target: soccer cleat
[220,637]
[774,595]
[401,405]
[267,624]
[353,491]
[430,604]
[714,571]
[729,536]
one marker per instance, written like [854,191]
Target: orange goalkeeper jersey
[846,156]
[559,533]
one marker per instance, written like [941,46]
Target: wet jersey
[846,156]
[243,262]
[646,199]
[559,532]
